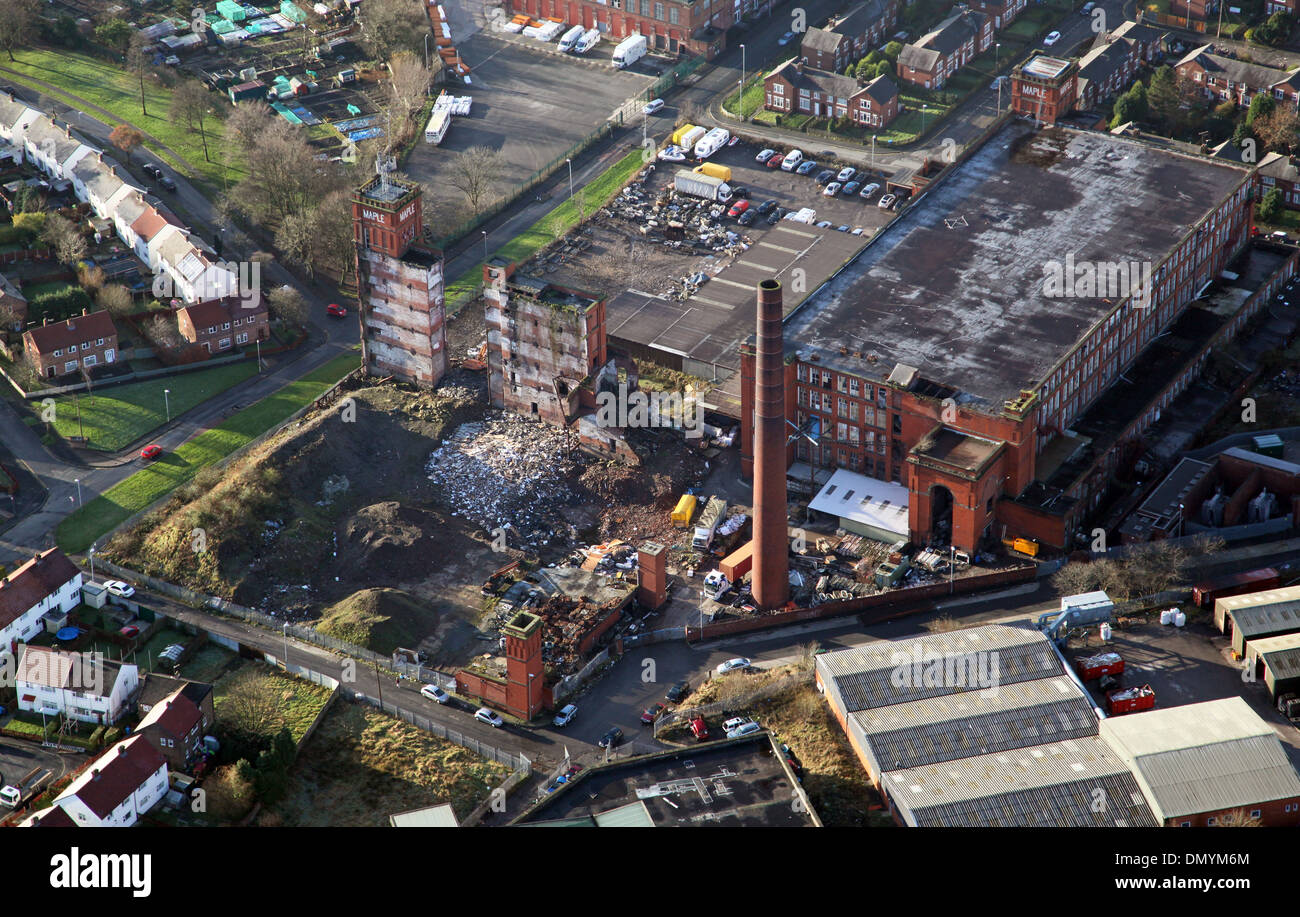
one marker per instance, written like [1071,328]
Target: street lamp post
[285,628]
[168,402]
[924,106]
[742,83]
[570,162]
[997,55]
[873,152]
[1180,520]
[77,481]
[485,254]
[952,566]
[427,36]
[92,564]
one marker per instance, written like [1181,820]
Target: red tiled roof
[216,312]
[116,774]
[33,581]
[75,330]
[148,224]
[53,817]
[176,714]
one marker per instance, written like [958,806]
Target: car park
[484,715]
[868,190]
[825,177]
[566,715]
[119,588]
[435,694]
[748,218]
[611,738]
[764,156]
[850,188]
[678,692]
[845,174]
[738,208]
[831,190]
[1051,39]
[886,202]
[651,713]
[792,160]
[652,106]
[732,665]
[151,452]
[806,167]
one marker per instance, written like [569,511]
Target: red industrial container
[1130,700]
[1094,667]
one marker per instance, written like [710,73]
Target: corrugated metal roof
[1280,654]
[897,672]
[1203,757]
[976,723]
[1251,599]
[1266,619]
[1074,783]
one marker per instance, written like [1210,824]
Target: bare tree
[475,173]
[389,26]
[1239,818]
[91,279]
[334,233]
[408,85]
[19,24]
[229,795]
[254,704]
[68,242]
[161,331]
[117,299]
[137,62]
[287,305]
[190,104]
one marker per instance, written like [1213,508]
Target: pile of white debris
[508,473]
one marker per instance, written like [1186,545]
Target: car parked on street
[152,171]
[785,39]
[435,694]
[484,715]
[566,715]
[612,738]
[732,665]
[167,183]
[652,106]
[1051,39]
[151,452]
[335,310]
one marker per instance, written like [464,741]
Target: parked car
[678,691]
[850,188]
[1087,8]
[744,729]
[435,694]
[738,208]
[740,192]
[766,207]
[152,171]
[843,227]
[167,183]
[776,216]
[731,665]
[566,715]
[651,713]
[652,106]
[117,587]
[868,190]
[831,190]
[791,160]
[1051,39]
[785,39]
[886,202]
[151,452]
[823,224]
[825,177]
[806,167]
[748,218]
[699,728]
[484,715]
[998,82]
[776,162]
[764,156]
[611,738]
[336,310]
[129,631]
[845,174]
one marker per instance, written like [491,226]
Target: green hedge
[57,306]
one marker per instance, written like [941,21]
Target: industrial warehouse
[1028,746]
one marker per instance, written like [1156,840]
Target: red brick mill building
[937,361]
[670,26]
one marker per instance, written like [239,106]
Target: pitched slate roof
[1254,76]
[822,81]
[44,574]
[882,89]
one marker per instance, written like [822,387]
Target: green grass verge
[110,87]
[754,98]
[79,530]
[119,416]
[595,193]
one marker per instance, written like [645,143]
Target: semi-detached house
[951,45]
[80,342]
[121,785]
[84,687]
[794,88]
[848,38]
[48,582]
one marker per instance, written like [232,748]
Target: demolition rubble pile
[507,473]
[677,220]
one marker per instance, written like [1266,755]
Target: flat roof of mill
[954,287]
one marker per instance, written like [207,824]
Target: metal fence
[511,760]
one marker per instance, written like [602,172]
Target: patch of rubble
[509,473]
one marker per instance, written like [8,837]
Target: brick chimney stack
[771,584]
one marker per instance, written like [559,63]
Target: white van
[791,161]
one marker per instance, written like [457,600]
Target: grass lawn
[753,99]
[298,701]
[596,193]
[113,89]
[122,501]
[362,765]
[32,290]
[118,416]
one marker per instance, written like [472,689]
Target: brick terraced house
[795,88]
[847,39]
[219,325]
[944,50]
[81,342]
